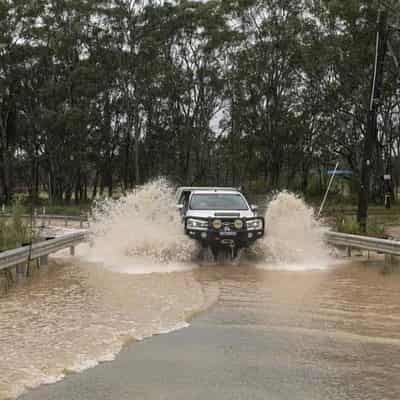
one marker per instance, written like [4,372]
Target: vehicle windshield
[218,201]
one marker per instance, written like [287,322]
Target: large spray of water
[294,238]
[141,232]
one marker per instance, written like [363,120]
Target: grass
[341,214]
[346,224]
[344,219]
[373,209]
[72,210]
[56,209]
[14,232]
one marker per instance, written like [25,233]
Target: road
[330,334]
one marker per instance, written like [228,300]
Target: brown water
[82,310]
[71,316]
[329,334]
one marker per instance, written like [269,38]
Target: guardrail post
[66,221]
[391,259]
[6,279]
[388,267]
[349,251]
[72,250]
[21,269]
[9,277]
[44,260]
[81,221]
[3,283]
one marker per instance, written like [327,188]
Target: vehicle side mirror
[179,206]
[254,207]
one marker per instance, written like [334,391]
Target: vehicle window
[218,201]
[184,198]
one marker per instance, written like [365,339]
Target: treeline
[100,96]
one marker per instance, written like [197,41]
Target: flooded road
[318,334]
[289,321]
[72,315]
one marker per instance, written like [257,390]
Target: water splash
[141,232]
[294,238]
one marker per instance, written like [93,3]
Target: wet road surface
[329,334]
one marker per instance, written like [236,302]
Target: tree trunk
[102,185]
[126,162]
[371,133]
[304,178]
[110,184]
[137,139]
[95,185]
[5,162]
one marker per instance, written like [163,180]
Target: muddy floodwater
[287,320]
[344,319]
[71,316]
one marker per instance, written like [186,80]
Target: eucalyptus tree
[267,67]
[12,57]
[189,85]
[96,94]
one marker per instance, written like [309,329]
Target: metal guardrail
[383,246]
[21,255]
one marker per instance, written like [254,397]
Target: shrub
[350,225]
[14,232]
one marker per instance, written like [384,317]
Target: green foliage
[99,96]
[70,210]
[345,224]
[14,232]
[18,227]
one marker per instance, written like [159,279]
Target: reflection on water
[343,320]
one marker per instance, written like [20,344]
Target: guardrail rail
[384,246]
[41,250]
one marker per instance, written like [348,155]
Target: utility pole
[371,131]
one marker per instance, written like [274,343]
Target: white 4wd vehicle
[219,217]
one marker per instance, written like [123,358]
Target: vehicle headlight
[196,224]
[238,224]
[217,224]
[255,224]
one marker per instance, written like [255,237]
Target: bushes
[350,225]
[14,232]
